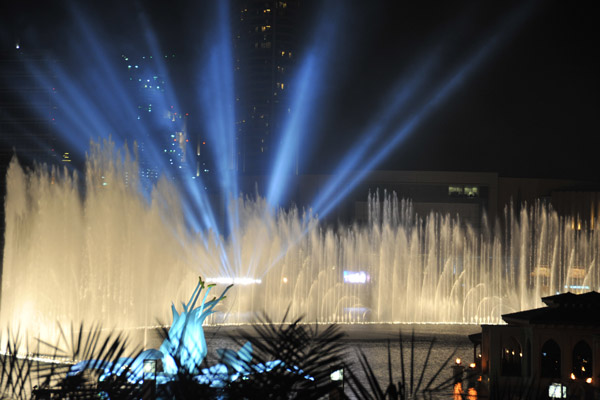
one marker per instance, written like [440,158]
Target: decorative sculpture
[183,349]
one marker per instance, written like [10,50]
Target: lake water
[372,340]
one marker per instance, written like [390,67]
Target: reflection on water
[451,342]
[460,394]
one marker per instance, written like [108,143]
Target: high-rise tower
[265,46]
[28,107]
[165,145]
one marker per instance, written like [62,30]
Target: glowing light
[222,280]
[573,376]
[557,391]
[588,380]
[457,361]
[355,277]
[150,366]
[577,287]
[472,365]
[337,375]
[43,359]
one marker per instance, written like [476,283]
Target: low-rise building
[553,350]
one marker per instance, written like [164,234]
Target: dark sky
[528,108]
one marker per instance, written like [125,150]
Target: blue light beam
[406,91]
[515,20]
[218,101]
[307,87]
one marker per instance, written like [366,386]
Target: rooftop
[567,309]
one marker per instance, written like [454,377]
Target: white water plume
[106,253]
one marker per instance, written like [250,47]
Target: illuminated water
[106,253]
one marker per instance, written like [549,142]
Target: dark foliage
[289,361]
[307,356]
[409,384]
[44,373]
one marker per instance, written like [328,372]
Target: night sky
[528,108]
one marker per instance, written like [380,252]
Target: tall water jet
[101,253]
[105,252]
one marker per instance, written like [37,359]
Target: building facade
[265,51]
[552,351]
[28,106]
[165,144]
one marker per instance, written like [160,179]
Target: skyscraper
[28,114]
[164,144]
[265,47]
[28,107]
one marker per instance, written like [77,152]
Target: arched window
[550,359]
[511,358]
[582,360]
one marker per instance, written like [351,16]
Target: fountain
[105,252]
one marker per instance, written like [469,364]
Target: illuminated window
[582,360]
[511,358]
[471,191]
[463,191]
[265,28]
[455,190]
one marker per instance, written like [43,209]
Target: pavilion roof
[562,309]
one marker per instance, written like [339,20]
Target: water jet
[108,253]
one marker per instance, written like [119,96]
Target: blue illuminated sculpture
[183,349]
[185,345]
